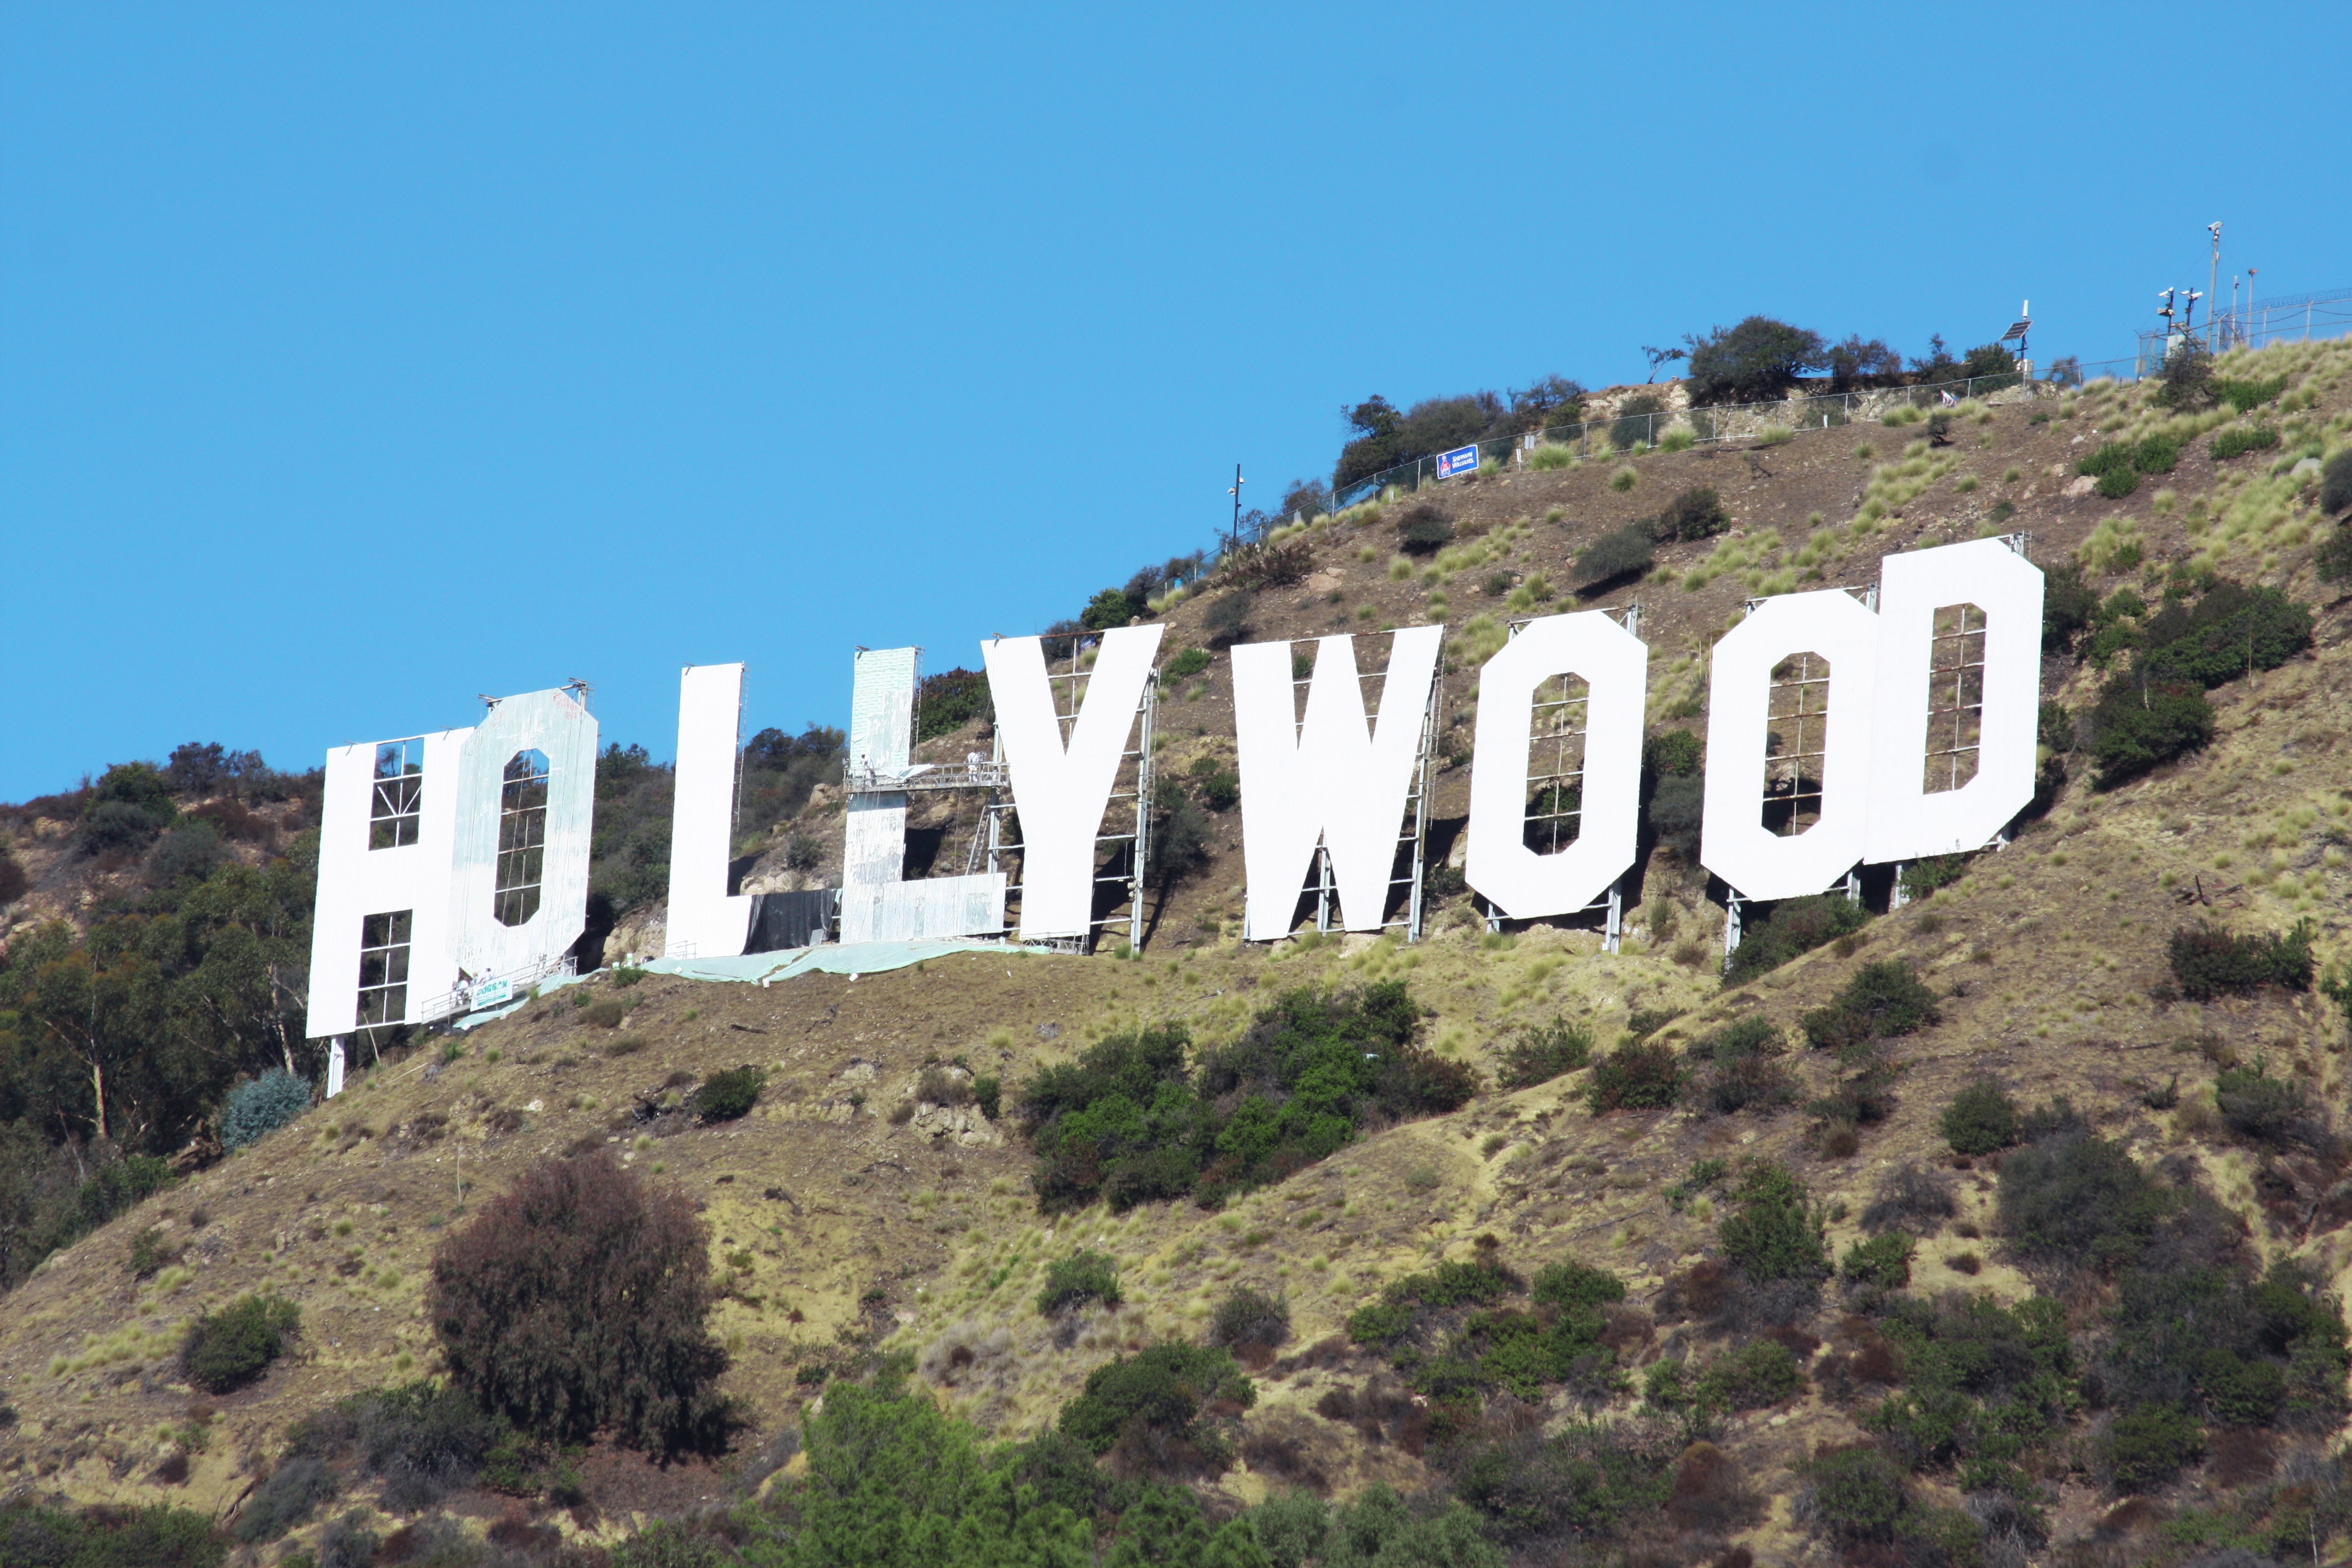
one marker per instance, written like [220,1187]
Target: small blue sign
[1461,460]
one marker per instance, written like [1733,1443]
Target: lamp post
[2213,279]
[1237,493]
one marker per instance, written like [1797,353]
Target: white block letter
[1334,780]
[704,922]
[1060,792]
[1614,665]
[1905,821]
[386,833]
[1734,843]
[544,906]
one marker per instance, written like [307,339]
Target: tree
[1856,360]
[1659,358]
[577,1302]
[1758,360]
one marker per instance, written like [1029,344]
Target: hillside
[840,1230]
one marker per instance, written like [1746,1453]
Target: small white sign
[493,994]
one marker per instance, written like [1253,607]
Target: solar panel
[2018,331]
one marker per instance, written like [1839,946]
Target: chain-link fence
[1632,431]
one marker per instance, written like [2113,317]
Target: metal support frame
[1134,768]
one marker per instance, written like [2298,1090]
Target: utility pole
[2213,281]
[1237,493]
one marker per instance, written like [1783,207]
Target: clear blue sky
[357,360]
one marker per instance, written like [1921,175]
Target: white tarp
[1338,779]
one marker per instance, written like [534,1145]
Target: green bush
[33,1535]
[1159,1393]
[1187,664]
[1750,1378]
[2074,1199]
[1880,1263]
[2209,961]
[1852,1494]
[2115,483]
[292,1492]
[1671,753]
[148,1253]
[724,1096]
[2068,605]
[1883,1001]
[1697,513]
[262,1106]
[1636,1076]
[2231,631]
[1131,1122]
[1219,786]
[1639,419]
[1074,1280]
[1676,810]
[2247,396]
[1739,1069]
[1979,1119]
[2188,377]
[2333,559]
[1614,557]
[1250,1318]
[2147,1446]
[229,1349]
[2336,483]
[987,1092]
[2138,725]
[1579,1487]
[423,1440]
[2258,1106]
[1772,1231]
[1795,927]
[2238,440]
[1111,607]
[1543,1053]
[1424,528]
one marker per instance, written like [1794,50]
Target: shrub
[2068,605]
[262,1106]
[2256,1105]
[577,1301]
[2231,631]
[1741,1069]
[1750,1378]
[1636,1076]
[1109,608]
[1912,1198]
[2238,440]
[2188,377]
[2244,397]
[1758,358]
[1544,1053]
[2073,1199]
[2146,1446]
[1678,810]
[148,1253]
[2138,725]
[229,1349]
[1128,1123]
[1250,1318]
[2336,483]
[1882,1263]
[2209,961]
[724,1096]
[1882,1002]
[423,1440]
[1188,664]
[1612,557]
[1161,1392]
[1795,926]
[1424,528]
[2333,559]
[988,1092]
[1979,1119]
[34,1536]
[1636,421]
[1228,619]
[1697,513]
[1852,1494]
[1074,1280]
[294,1489]
[944,703]
[1772,1232]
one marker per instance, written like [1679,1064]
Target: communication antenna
[2213,281]
[2019,328]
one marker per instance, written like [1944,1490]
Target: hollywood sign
[453,866]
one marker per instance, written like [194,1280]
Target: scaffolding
[1120,871]
[1559,720]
